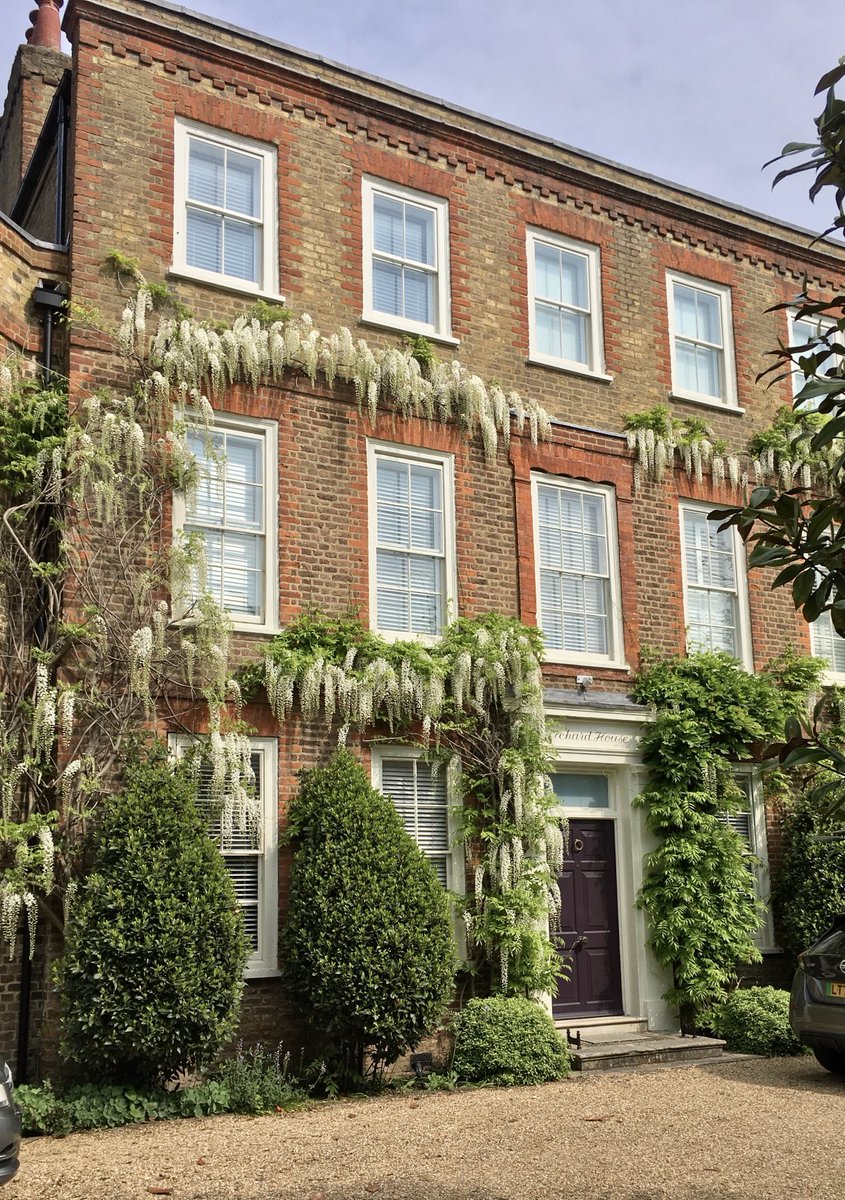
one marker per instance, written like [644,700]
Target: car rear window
[831,943]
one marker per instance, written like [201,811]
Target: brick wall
[35,76]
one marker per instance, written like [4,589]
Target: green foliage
[124,264]
[269,314]
[33,421]
[110,1105]
[508,1041]
[475,701]
[699,889]
[422,350]
[367,948]
[809,887]
[152,975]
[755,1020]
[258,1081]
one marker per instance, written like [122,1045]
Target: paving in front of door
[614,1051]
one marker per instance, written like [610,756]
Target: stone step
[596,1028]
[643,1049]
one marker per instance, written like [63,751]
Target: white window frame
[595,365]
[831,675]
[446,463]
[798,378]
[744,652]
[441,329]
[265,963]
[268,431]
[616,657]
[765,936]
[268,283]
[723,294]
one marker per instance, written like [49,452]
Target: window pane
[686,366]
[418,296]
[574,336]
[388,226]
[549,335]
[419,234]
[206,172]
[581,791]
[204,241]
[709,318]
[547,280]
[392,569]
[392,481]
[708,371]
[241,249]
[387,287]
[243,183]
[425,486]
[425,614]
[686,318]
[426,529]
[394,525]
[575,285]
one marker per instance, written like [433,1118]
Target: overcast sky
[700,93]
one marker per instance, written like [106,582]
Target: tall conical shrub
[367,950]
[152,976]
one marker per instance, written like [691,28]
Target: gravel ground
[755,1128]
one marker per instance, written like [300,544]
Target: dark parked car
[817,1003]
[10,1126]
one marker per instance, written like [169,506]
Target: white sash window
[716,601]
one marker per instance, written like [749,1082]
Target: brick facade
[137,67]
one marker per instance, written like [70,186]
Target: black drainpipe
[48,298]
[62,118]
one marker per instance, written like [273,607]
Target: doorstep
[602,1050]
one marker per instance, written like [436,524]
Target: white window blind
[410,546]
[242,854]
[224,210]
[562,303]
[827,643]
[574,570]
[422,802]
[699,340]
[404,259]
[228,509]
[711,584]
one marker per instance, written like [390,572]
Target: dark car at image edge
[817,1001]
[10,1126]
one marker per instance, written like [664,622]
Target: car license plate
[836,989]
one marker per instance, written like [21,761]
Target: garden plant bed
[741,1129]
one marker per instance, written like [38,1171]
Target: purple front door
[589,935]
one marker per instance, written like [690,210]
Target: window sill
[566,368]
[705,402]
[559,658]
[262,973]
[224,284]
[396,325]
[188,623]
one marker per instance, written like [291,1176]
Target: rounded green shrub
[152,975]
[809,888]
[367,949]
[507,1041]
[755,1020]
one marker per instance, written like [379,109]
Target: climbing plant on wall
[699,890]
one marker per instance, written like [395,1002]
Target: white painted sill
[397,326]
[705,402]
[224,283]
[559,658]
[567,368]
[261,973]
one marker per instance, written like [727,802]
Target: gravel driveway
[754,1128]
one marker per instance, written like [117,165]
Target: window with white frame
[232,509]
[406,258]
[715,592]
[579,602]
[828,644]
[564,292]
[701,340]
[412,548]
[421,798]
[225,222]
[802,332]
[250,854]
[750,825]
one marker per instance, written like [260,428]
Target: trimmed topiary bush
[152,976]
[755,1020]
[508,1041]
[809,888]
[367,950]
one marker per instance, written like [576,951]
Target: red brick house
[236,168]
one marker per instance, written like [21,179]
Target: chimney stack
[46,29]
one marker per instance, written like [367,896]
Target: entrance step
[593,1028]
[602,1052]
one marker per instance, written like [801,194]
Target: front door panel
[589,936]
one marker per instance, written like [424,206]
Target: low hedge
[755,1020]
[508,1041]
[105,1107]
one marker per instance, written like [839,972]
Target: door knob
[577,845]
[582,941]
